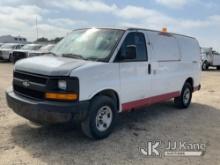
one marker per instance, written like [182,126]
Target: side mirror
[130,52]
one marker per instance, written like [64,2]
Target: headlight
[62,84]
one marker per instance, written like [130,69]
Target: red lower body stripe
[149,101]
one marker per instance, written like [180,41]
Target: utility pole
[36,28]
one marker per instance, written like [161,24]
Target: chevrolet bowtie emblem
[26,83]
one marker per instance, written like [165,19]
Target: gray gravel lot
[24,143]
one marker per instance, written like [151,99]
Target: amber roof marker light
[164,30]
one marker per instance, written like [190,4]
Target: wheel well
[112,94]
[190,81]
[206,62]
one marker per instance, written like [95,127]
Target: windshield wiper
[76,56]
[54,54]
[95,59]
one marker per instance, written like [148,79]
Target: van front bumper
[50,112]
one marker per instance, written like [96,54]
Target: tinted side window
[137,39]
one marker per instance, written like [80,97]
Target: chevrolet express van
[93,74]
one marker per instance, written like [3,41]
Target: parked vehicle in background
[93,74]
[43,50]
[6,50]
[25,51]
[47,48]
[1,44]
[210,58]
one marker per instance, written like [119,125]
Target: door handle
[149,68]
[195,62]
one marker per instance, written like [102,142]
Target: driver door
[134,74]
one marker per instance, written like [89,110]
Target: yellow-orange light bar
[61,96]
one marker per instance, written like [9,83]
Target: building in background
[12,39]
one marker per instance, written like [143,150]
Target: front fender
[96,77]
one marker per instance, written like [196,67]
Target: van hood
[49,65]
[22,50]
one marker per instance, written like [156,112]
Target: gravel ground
[24,143]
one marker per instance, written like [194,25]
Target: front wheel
[205,65]
[184,100]
[101,118]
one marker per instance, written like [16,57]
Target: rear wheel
[101,118]
[184,100]
[205,65]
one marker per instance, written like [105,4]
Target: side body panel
[190,65]
[216,60]
[166,63]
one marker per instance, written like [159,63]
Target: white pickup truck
[93,74]
[7,49]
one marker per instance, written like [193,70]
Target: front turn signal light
[61,96]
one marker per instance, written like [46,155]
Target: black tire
[218,67]
[179,101]
[205,65]
[89,125]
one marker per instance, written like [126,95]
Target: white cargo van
[93,74]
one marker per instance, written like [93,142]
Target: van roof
[135,28]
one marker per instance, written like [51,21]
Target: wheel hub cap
[186,96]
[104,118]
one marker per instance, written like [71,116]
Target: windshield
[89,44]
[8,46]
[31,47]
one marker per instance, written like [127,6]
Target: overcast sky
[198,18]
